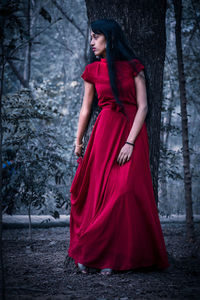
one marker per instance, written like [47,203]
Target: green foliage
[29,130]
[40,126]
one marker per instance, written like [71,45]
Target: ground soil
[41,271]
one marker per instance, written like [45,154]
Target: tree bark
[164,144]
[27,61]
[29,223]
[2,64]
[143,23]
[184,123]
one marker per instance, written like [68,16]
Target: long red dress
[114,220]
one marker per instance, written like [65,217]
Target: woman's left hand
[125,154]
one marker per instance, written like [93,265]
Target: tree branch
[71,20]
[33,37]
[17,73]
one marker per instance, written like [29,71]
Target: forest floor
[41,272]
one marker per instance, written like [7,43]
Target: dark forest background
[45,48]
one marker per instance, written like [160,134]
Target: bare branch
[17,73]
[34,36]
[71,20]
[62,44]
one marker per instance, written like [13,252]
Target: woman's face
[98,44]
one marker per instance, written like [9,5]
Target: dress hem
[127,268]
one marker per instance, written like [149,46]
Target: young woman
[114,223]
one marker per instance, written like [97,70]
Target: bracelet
[79,145]
[130,143]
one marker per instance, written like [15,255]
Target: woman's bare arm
[141,98]
[85,110]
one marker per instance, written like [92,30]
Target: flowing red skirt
[114,220]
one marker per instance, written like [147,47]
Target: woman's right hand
[78,151]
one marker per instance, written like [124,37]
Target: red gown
[114,220]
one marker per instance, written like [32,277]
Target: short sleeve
[137,66]
[87,75]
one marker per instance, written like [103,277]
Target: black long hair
[117,49]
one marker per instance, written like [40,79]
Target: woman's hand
[125,154]
[78,151]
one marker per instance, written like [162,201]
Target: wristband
[132,144]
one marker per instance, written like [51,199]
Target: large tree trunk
[184,121]
[144,25]
[2,72]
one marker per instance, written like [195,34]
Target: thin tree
[165,133]
[184,123]
[27,60]
[26,37]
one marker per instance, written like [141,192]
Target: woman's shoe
[82,268]
[106,271]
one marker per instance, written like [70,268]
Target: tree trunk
[27,61]
[184,123]
[29,223]
[164,144]
[143,23]
[2,277]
